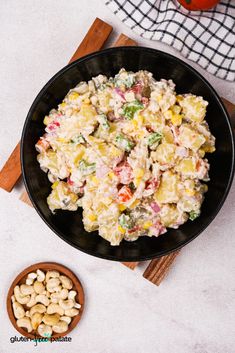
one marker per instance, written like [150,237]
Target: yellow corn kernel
[134,123]
[63,105]
[137,181]
[134,204]
[176,119]
[61,139]
[87,101]
[73,96]
[73,197]
[121,230]
[147,224]
[111,175]
[55,184]
[189,192]
[140,119]
[179,98]
[92,217]
[138,172]
[46,120]
[95,180]
[122,207]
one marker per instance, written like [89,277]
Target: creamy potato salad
[130,151]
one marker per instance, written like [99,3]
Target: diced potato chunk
[194,108]
[168,189]
[190,138]
[165,153]
[171,217]
[187,167]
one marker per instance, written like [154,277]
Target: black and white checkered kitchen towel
[206,37]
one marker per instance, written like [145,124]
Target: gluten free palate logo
[38,340]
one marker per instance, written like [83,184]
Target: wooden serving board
[11,172]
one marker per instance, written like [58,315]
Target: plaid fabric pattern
[205,37]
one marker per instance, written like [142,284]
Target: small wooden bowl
[46,266]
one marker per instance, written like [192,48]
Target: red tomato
[124,194]
[197,5]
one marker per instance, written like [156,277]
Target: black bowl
[68,225]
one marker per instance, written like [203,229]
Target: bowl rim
[127,49]
[46,266]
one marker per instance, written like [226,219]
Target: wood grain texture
[46,266]
[25,198]
[123,40]
[130,265]
[11,171]
[158,268]
[93,40]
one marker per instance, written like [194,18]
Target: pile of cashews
[45,303]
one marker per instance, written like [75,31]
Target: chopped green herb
[102,119]
[86,168]
[124,143]
[129,109]
[125,221]
[193,215]
[154,138]
[78,139]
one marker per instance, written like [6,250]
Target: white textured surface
[193,311]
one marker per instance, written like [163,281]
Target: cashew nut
[60,327]
[72,294]
[29,281]
[26,289]
[32,301]
[58,288]
[71,312]
[36,320]
[20,297]
[66,282]
[41,298]
[27,313]
[51,319]
[38,308]
[66,304]
[52,283]
[77,306]
[25,322]
[44,330]
[32,275]
[13,299]
[55,297]
[54,308]
[30,278]
[40,276]
[52,274]
[18,310]
[66,319]
[38,287]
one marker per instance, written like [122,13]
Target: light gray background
[193,310]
